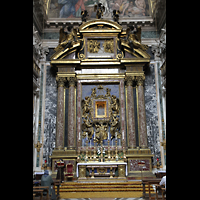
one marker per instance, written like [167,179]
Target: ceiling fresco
[72,8]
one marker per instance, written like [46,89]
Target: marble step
[103,187]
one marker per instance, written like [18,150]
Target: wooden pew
[40,192]
[159,187]
[41,188]
[149,182]
[57,183]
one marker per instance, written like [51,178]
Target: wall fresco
[73,8]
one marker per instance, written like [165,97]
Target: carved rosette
[72,81]
[61,81]
[140,80]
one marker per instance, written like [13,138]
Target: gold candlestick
[86,156]
[109,150]
[116,155]
[101,151]
[94,157]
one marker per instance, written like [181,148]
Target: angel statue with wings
[66,40]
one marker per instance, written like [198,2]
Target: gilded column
[130,112]
[71,113]
[60,113]
[141,111]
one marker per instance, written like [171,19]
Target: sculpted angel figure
[115,103]
[113,126]
[101,132]
[85,105]
[87,126]
[134,38]
[66,40]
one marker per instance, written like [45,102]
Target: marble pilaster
[122,105]
[71,113]
[130,111]
[60,113]
[78,113]
[141,110]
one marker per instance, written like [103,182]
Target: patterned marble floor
[104,199]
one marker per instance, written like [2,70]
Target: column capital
[140,80]
[129,80]
[72,81]
[61,81]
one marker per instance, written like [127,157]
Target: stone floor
[104,199]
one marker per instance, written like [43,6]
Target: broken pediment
[100,42]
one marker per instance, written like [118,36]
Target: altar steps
[106,190]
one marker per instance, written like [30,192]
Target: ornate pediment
[100,40]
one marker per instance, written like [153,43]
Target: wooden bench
[57,183]
[149,182]
[159,187]
[40,190]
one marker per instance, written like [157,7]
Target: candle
[90,143]
[94,135]
[86,136]
[112,142]
[108,135]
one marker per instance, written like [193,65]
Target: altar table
[101,164]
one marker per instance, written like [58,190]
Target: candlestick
[94,151]
[108,135]
[79,137]
[108,150]
[116,155]
[86,136]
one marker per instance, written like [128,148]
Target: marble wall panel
[152,113]
[50,115]
[134,166]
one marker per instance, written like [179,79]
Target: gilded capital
[129,80]
[61,81]
[140,80]
[72,81]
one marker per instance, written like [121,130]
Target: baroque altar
[101,120]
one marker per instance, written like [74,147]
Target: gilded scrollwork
[109,46]
[93,46]
[101,131]
[115,104]
[114,127]
[100,123]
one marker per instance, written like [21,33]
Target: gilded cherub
[115,104]
[85,105]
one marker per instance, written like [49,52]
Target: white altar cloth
[102,163]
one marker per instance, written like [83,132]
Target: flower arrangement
[82,156]
[121,155]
